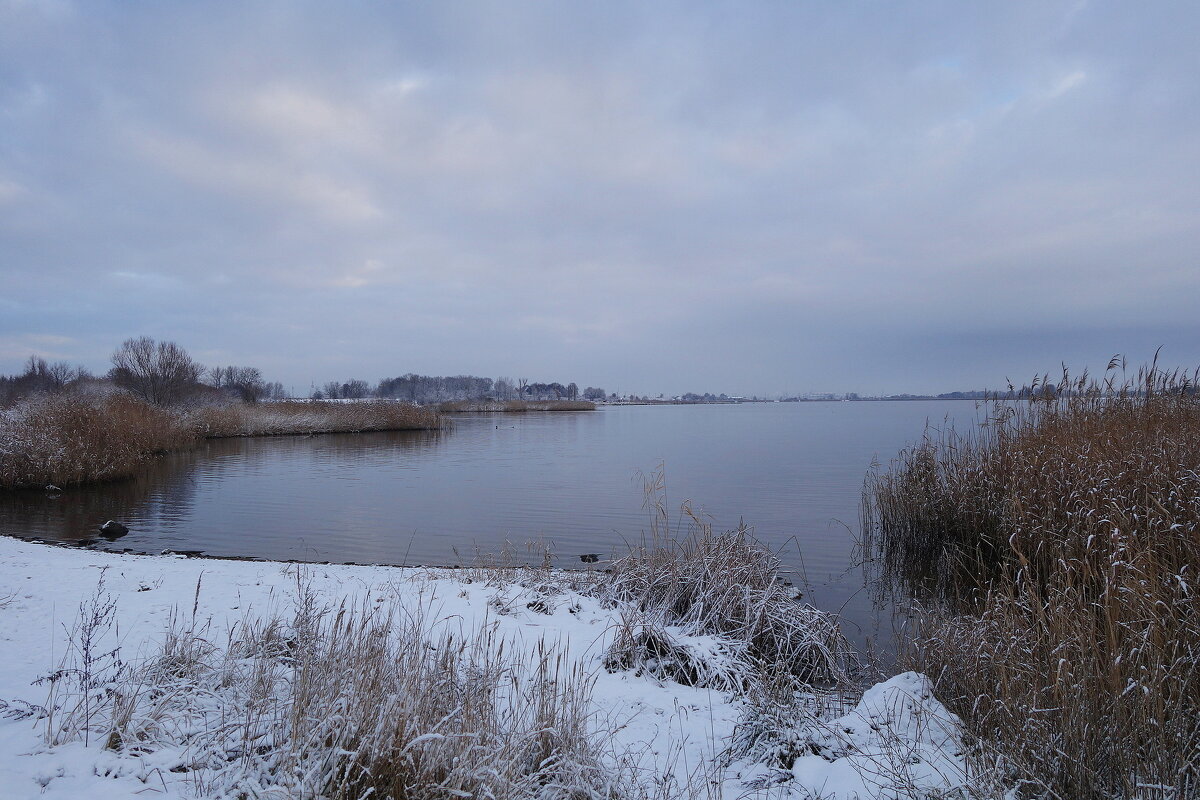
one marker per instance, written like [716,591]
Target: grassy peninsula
[76,437]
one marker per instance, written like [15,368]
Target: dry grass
[517,406]
[65,439]
[341,702]
[1056,549]
[309,417]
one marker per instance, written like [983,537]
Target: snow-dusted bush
[727,587]
[74,438]
[897,743]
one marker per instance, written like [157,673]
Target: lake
[569,481]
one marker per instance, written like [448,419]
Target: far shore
[513,406]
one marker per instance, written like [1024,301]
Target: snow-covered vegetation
[126,676]
[1055,549]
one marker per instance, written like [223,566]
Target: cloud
[620,194]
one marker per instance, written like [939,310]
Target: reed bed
[310,417]
[67,439]
[1054,550]
[64,439]
[517,406]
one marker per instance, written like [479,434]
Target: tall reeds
[1053,551]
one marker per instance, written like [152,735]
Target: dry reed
[338,702]
[309,417]
[1054,549]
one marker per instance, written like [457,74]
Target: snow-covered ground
[898,741]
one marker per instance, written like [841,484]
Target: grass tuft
[723,587]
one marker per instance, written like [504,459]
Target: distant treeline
[163,373]
[425,389]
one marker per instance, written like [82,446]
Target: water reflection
[159,504]
[792,471]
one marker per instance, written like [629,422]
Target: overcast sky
[651,197]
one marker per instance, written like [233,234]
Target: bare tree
[245,383]
[159,372]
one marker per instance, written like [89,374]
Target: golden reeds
[1053,551]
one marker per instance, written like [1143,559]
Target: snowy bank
[651,736]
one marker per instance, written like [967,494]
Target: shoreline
[672,732]
[512,406]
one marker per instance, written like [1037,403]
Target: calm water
[792,471]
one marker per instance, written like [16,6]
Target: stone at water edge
[113,529]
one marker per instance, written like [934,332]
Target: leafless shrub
[81,688]
[160,373]
[1055,549]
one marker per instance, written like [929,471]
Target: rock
[113,529]
[590,558]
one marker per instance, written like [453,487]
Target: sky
[753,198]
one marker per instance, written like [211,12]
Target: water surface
[566,480]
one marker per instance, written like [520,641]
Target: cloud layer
[653,197]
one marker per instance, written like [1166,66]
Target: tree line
[424,389]
[163,373]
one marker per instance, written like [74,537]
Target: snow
[898,741]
